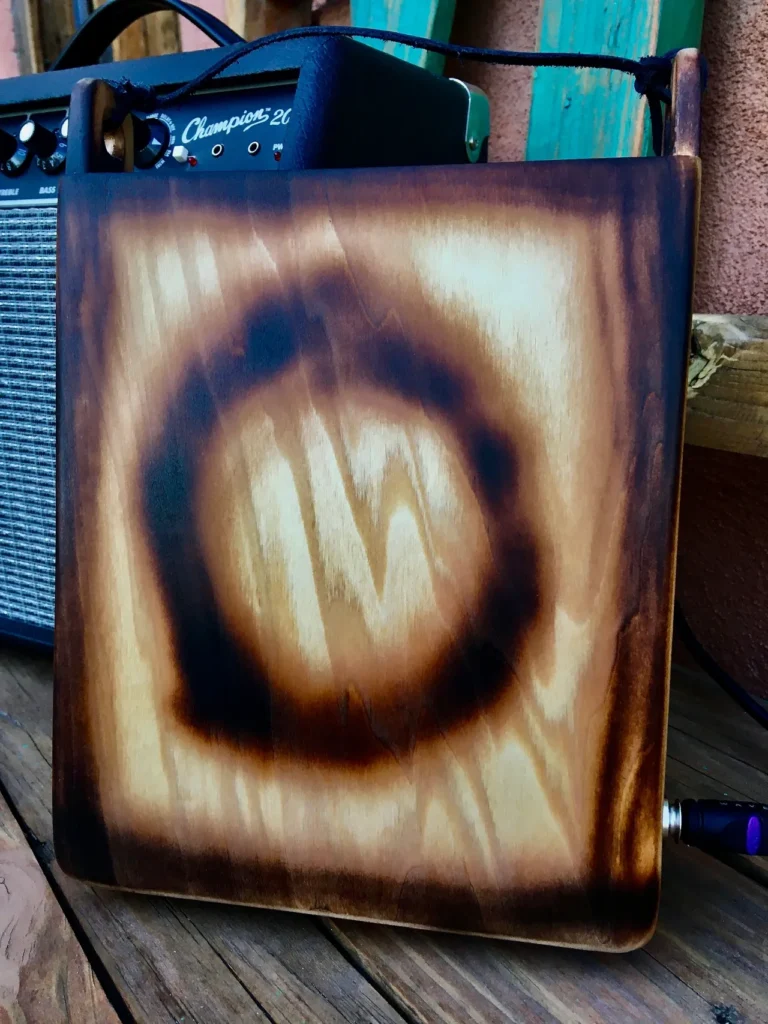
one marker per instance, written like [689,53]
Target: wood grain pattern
[44,974]
[728,384]
[55,25]
[683,126]
[151,36]
[26,36]
[189,962]
[365,561]
[198,962]
[694,971]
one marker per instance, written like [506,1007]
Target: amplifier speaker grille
[27,413]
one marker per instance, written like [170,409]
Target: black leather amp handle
[107,22]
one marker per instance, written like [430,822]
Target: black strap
[653,75]
[108,21]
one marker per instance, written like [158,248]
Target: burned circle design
[348,679]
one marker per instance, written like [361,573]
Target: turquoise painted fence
[578,114]
[432,18]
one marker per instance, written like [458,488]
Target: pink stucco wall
[733,270]
[192,38]
[513,25]
[9,65]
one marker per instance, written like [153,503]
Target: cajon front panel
[367,503]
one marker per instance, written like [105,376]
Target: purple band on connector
[754,835]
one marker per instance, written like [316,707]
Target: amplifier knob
[7,145]
[14,156]
[49,147]
[37,139]
[150,138]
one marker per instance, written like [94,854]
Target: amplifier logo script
[199,128]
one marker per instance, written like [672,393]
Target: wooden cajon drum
[367,511]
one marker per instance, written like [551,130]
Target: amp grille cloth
[27,413]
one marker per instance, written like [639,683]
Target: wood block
[55,26]
[44,974]
[367,504]
[152,36]
[26,36]
[728,384]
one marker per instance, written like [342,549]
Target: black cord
[734,690]
[652,74]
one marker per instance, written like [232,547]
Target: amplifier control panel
[232,129]
[33,149]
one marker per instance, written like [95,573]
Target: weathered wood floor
[69,952]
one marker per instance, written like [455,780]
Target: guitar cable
[718,826]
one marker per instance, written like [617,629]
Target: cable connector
[718,826]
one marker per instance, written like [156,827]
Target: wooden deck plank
[697,767]
[728,384]
[174,960]
[713,935]
[44,973]
[729,774]
[708,961]
[709,957]
[700,709]
[451,979]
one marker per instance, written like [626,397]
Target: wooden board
[151,36]
[367,513]
[728,384]
[55,25]
[44,974]
[26,36]
[577,114]
[187,961]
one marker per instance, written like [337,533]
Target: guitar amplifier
[296,105]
